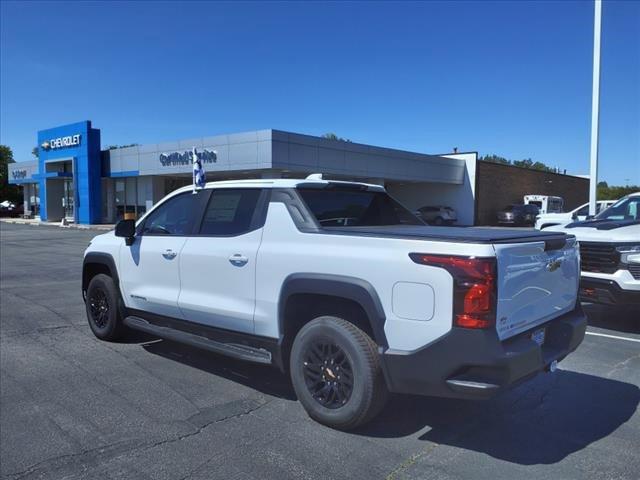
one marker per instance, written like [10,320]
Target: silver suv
[437,215]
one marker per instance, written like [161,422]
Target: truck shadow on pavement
[262,378]
[537,423]
[612,318]
[540,422]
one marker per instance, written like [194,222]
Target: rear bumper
[608,292]
[476,364]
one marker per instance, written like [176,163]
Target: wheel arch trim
[341,286]
[100,258]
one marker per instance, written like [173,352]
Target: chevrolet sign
[62,142]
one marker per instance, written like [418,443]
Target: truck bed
[452,234]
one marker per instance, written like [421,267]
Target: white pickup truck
[610,253]
[269,271]
[545,220]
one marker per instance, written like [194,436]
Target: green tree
[525,163]
[333,136]
[614,192]
[528,163]
[114,147]
[495,159]
[7,191]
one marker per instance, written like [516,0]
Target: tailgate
[537,281]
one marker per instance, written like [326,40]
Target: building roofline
[455,153]
[534,170]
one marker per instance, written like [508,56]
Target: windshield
[624,209]
[355,208]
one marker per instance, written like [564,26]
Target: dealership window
[130,197]
[120,202]
[32,199]
[35,199]
[174,183]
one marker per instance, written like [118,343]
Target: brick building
[499,185]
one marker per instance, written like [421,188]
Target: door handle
[169,254]
[238,260]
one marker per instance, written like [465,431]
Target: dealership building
[74,179]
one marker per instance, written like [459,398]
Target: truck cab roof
[311,181]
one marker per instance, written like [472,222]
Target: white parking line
[613,336]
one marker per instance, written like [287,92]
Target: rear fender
[350,288]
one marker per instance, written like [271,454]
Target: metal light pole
[595,107]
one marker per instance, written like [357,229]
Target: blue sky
[510,78]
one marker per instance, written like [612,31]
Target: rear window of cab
[355,208]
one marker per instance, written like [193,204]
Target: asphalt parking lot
[74,407]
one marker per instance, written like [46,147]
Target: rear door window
[230,211]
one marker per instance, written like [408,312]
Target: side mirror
[126,229]
[574,216]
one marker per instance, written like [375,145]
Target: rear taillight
[474,281]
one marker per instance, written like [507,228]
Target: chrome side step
[241,352]
[478,389]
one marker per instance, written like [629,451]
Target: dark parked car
[9,209]
[518,215]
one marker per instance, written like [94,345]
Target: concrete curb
[20,221]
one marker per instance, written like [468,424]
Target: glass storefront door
[68,199]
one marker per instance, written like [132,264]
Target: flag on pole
[199,178]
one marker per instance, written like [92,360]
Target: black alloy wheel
[336,373]
[328,374]
[102,302]
[99,307]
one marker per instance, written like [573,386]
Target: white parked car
[271,271]
[545,220]
[610,254]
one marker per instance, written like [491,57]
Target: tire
[438,221]
[347,402]
[102,306]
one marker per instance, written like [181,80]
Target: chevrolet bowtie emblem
[553,265]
